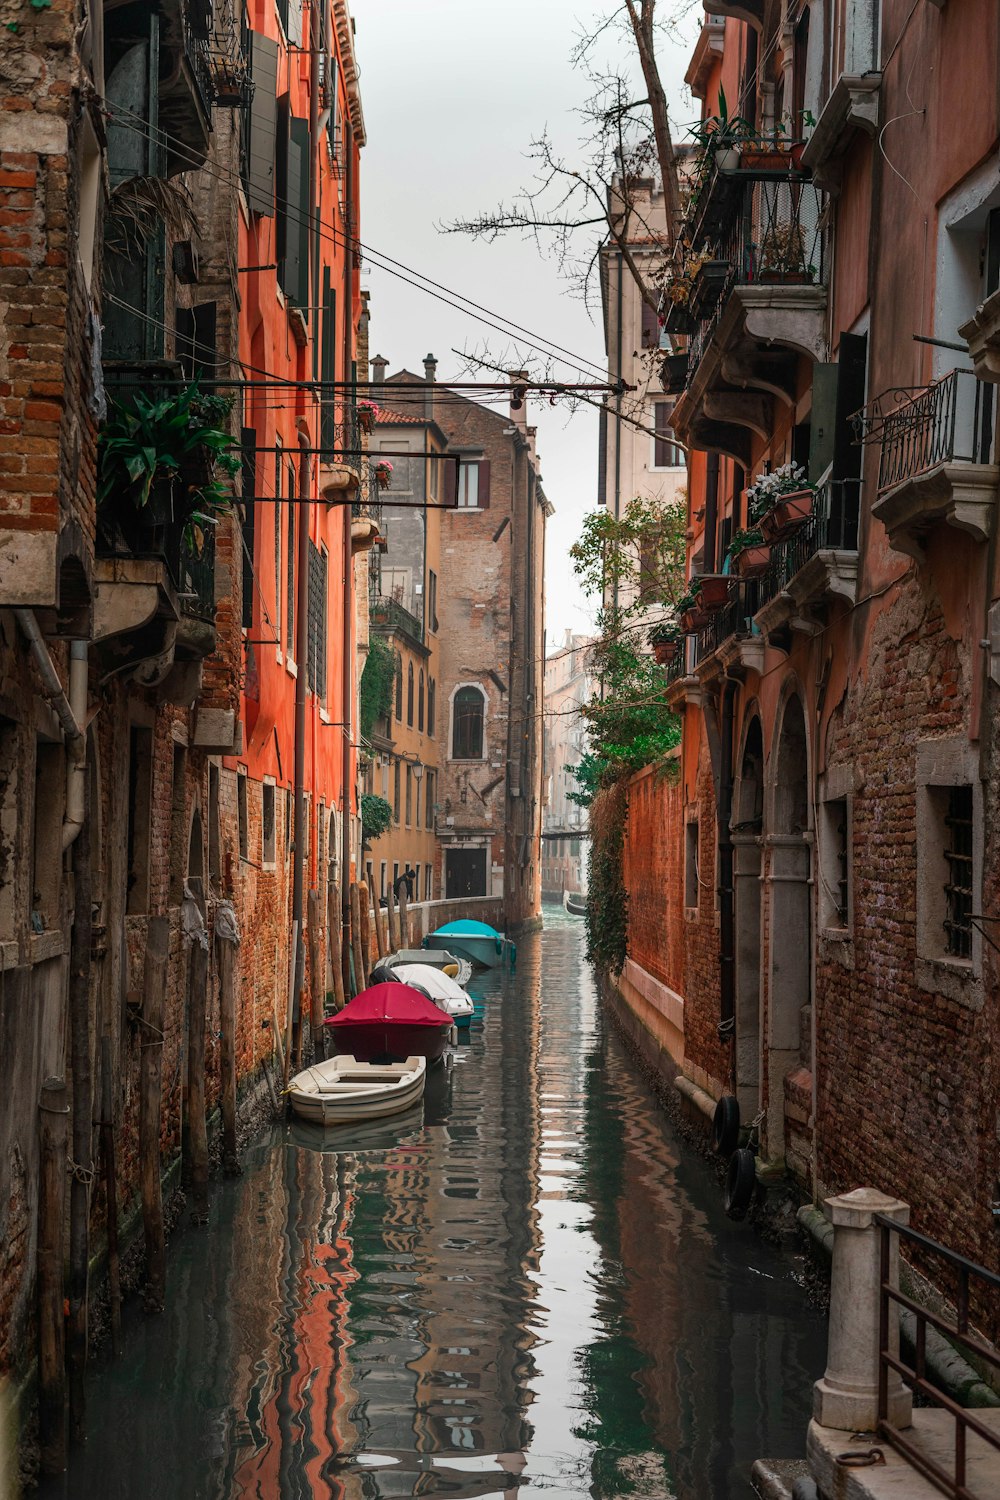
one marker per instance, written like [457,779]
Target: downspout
[347,678]
[727,968]
[712,513]
[71,712]
[293,1038]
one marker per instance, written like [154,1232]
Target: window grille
[467,735]
[958,887]
[290,566]
[318,570]
[840,871]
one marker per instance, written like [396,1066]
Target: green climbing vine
[376,817]
[377,683]
[607,898]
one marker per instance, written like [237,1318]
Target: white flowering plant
[767,490]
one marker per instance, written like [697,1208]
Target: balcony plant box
[764,157]
[787,514]
[708,282]
[367,413]
[748,553]
[714,590]
[695,619]
[673,373]
[664,651]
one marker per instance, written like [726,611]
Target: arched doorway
[747,827]
[789,841]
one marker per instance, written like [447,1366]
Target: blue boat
[477,941]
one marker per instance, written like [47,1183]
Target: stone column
[847,1396]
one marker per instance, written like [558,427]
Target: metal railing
[734,618]
[965,1276]
[950,420]
[390,614]
[833,524]
[197,49]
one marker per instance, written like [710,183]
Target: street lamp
[418,770]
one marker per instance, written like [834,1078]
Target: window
[416,801]
[279,474]
[399,688]
[958,885]
[396,784]
[650,327]
[473,484]
[382,879]
[429,809]
[431,695]
[241,814]
[331,848]
[467,732]
[420,703]
[691,863]
[666,453]
[835,863]
[432,600]
[268,839]
[428,882]
[409,694]
[140,807]
[409,795]
[318,571]
[290,568]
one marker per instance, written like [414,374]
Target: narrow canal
[530,1284]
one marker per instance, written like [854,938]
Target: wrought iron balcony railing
[735,618]
[833,524]
[951,420]
[390,614]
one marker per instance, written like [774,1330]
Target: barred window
[958,885]
[318,573]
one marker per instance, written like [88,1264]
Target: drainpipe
[712,513]
[347,677]
[71,712]
[293,1038]
[727,974]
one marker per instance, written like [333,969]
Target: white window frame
[941,765]
[463,486]
[463,760]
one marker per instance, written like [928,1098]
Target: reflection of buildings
[568,685]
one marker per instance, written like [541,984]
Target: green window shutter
[822,420]
[248,499]
[295,277]
[260,124]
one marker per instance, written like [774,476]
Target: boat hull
[575,903]
[370,1040]
[482,951]
[346,1090]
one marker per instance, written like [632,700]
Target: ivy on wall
[378,681]
[607,898]
[376,817]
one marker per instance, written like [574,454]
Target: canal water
[530,1282]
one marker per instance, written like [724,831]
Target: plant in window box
[666,640]
[367,415]
[694,616]
[714,592]
[719,136]
[780,501]
[748,553]
[783,255]
[383,473]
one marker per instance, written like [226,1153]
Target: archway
[789,843]
[747,828]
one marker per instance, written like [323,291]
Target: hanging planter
[665,651]
[714,590]
[764,157]
[383,473]
[695,619]
[787,514]
[673,373]
[367,414]
[752,561]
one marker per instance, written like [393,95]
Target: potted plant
[367,415]
[383,473]
[665,639]
[694,616]
[719,136]
[783,255]
[748,553]
[780,501]
[714,592]
[673,373]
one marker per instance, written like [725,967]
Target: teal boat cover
[469,928]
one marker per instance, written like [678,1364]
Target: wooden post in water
[376,914]
[53,1131]
[111,1194]
[336,960]
[404,914]
[197,1116]
[392,919]
[225,956]
[366,931]
[359,962]
[317,978]
[154,985]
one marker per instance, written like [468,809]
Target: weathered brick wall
[702,1049]
[654,874]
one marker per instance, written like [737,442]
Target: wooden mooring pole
[225,957]
[336,959]
[154,985]
[317,977]
[376,914]
[53,1123]
[393,920]
[359,965]
[366,931]
[197,1116]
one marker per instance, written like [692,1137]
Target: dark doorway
[465,873]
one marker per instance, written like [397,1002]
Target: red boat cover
[395,1004]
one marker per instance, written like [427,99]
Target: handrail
[958,1331]
[948,421]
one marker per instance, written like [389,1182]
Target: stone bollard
[847,1396]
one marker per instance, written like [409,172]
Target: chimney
[379,366]
[518,398]
[430,365]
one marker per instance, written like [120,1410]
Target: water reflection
[521,1282]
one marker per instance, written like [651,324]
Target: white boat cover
[446,993]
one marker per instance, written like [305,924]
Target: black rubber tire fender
[741,1180]
[382,974]
[726,1125]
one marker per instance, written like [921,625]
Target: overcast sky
[453,93]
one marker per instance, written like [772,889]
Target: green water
[528,1283]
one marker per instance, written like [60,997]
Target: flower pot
[784,278]
[695,619]
[382,479]
[796,155]
[787,513]
[752,561]
[673,373]
[765,159]
[727,159]
[665,651]
[366,418]
[714,590]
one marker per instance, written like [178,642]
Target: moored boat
[457,968]
[446,992]
[345,1089]
[477,941]
[391,1020]
[575,902]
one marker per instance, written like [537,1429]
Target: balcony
[936,464]
[982,334]
[818,562]
[342,465]
[853,106]
[389,614]
[754,310]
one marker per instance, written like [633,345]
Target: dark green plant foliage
[607,898]
[376,817]
[377,683]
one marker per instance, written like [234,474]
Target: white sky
[453,92]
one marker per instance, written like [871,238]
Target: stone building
[569,684]
[152,172]
[487,602]
[835,869]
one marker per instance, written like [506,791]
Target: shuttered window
[666,453]
[290,567]
[258,123]
[293,207]
[249,505]
[318,573]
[328,366]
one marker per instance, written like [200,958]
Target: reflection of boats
[390,1020]
[474,940]
[575,902]
[460,969]
[367,1135]
[343,1089]
[446,993]
[438,1092]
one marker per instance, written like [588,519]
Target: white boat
[447,994]
[450,963]
[342,1090]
